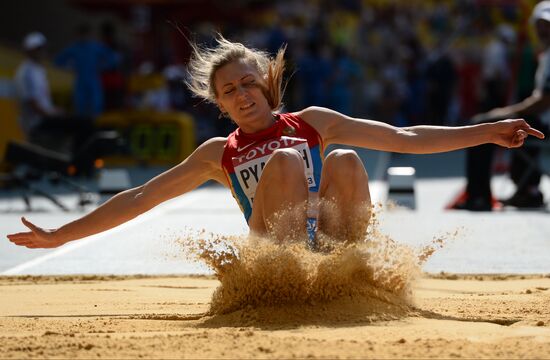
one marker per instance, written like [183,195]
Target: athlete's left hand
[511,133]
[37,237]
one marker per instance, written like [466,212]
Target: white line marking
[184,200]
[18,269]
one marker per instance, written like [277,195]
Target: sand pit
[345,299]
[266,300]
[167,317]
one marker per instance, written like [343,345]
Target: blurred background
[402,62]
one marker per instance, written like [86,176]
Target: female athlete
[274,162]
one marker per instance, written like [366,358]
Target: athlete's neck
[258,124]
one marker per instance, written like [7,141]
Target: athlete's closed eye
[228,90]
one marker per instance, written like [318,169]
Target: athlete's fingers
[20,240]
[20,235]
[531,131]
[518,138]
[535,133]
[520,134]
[33,245]
[30,225]
[24,243]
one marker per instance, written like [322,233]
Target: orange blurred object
[71,170]
[99,163]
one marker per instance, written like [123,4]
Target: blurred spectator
[114,75]
[275,38]
[394,90]
[496,69]
[149,89]
[414,81]
[440,84]
[170,93]
[87,58]
[179,94]
[535,109]
[161,92]
[384,68]
[41,122]
[527,69]
[314,68]
[468,73]
[344,74]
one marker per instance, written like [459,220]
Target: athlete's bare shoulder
[317,114]
[211,153]
[320,118]
[212,149]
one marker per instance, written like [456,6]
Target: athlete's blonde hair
[205,62]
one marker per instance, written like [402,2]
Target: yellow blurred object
[153,137]
[142,83]
[10,127]
[9,112]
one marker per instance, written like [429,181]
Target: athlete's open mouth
[247,106]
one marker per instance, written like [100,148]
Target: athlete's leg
[280,199]
[345,204]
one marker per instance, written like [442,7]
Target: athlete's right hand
[36,237]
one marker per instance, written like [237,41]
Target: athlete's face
[239,93]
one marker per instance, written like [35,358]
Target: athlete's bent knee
[286,160]
[345,163]
[285,169]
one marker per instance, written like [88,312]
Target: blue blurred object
[87,58]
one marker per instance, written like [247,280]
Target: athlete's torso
[245,156]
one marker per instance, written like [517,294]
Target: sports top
[245,156]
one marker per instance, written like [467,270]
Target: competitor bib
[249,166]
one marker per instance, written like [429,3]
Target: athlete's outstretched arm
[337,128]
[200,166]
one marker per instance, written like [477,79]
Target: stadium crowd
[406,63]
